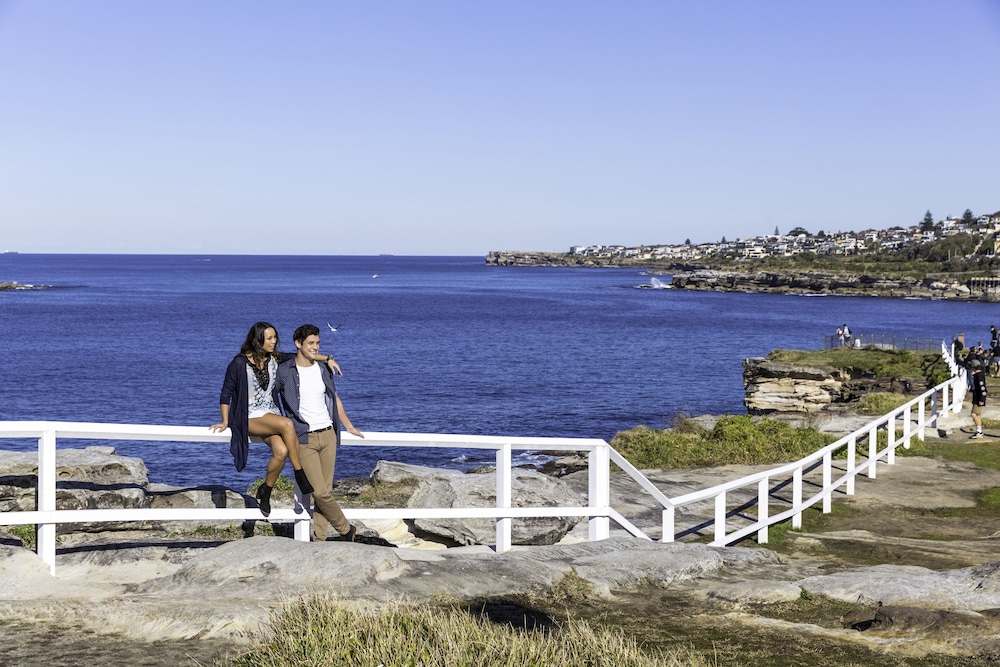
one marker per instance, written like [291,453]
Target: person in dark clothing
[249,406]
[978,395]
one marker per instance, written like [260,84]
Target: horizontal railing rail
[46,517]
[912,418]
[948,394]
[882,341]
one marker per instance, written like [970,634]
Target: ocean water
[427,344]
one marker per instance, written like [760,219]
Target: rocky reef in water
[818,282]
[14,285]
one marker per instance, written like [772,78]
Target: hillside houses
[782,245]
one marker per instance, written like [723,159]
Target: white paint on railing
[600,457]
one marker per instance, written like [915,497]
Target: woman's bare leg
[278,455]
[269,425]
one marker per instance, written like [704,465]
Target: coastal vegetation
[733,439]
[323,631]
[879,363]
[748,440]
[962,253]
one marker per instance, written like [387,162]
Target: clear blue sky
[456,128]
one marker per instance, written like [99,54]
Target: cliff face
[810,282]
[774,386]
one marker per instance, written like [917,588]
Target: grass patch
[883,363]
[26,533]
[734,439]
[982,453]
[282,486]
[880,403]
[381,494]
[320,631]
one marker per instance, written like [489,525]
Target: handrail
[46,517]
[824,458]
[600,456]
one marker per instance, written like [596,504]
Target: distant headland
[955,258]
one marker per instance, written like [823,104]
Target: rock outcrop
[780,387]
[98,478]
[816,282]
[436,487]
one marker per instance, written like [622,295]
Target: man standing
[978,395]
[310,400]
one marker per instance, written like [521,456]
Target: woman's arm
[224,424]
[334,366]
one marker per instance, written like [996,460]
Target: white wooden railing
[913,418]
[949,394]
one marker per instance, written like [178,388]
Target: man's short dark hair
[304,332]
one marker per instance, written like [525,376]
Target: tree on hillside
[723,240]
[798,231]
[928,223]
[968,218]
[687,241]
[776,233]
[821,234]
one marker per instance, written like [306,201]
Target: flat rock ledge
[227,591]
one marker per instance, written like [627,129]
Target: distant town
[798,241]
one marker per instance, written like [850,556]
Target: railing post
[827,481]
[934,406]
[907,426]
[45,499]
[600,491]
[504,493]
[797,497]
[872,452]
[720,519]
[957,396]
[890,430]
[852,452]
[921,419]
[763,495]
[302,529]
[668,524]
[944,401]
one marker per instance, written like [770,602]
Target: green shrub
[734,439]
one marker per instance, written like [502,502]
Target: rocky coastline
[698,277]
[818,282]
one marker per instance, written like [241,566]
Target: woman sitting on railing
[249,405]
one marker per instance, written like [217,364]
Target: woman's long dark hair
[254,344]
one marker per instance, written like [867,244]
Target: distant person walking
[840,335]
[846,337]
[978,395]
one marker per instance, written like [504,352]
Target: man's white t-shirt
[312,398]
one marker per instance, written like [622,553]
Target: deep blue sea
[427,344]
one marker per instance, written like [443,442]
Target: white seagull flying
[333,328]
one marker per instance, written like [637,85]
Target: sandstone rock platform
[932,584]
